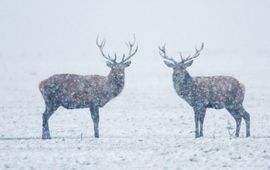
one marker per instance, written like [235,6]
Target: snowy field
[148,126]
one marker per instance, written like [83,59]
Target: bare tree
[207,92]
[85,91]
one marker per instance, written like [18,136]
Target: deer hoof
[197,136]
[46,137]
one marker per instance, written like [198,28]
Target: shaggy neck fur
[116,83]
[183,86]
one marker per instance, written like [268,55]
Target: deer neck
[115,83]
[183,85]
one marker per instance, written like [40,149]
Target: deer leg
[238,119]
[238,125]
[202,115]
[199,113]
[45,118]
[197,119]
[246,117]
[95,117]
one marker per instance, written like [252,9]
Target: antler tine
[182,59]
[101,46]
[130,53]
[115,57]
[130,46]
[164,55]
[124,56]
[197,53]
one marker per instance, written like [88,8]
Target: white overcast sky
[68,28]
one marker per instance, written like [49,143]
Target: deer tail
[243,88]
[41,86]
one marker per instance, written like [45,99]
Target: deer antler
[130,53]
[164,55]
[101,46]
[197,53]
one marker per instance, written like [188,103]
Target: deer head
[179,68]
[118,68]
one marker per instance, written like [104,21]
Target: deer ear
[171,65]
[188,63]
[126,64]
[109,64]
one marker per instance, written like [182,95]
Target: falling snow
[146,124]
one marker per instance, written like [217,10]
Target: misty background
[45,30]
[42,38]
[148,126]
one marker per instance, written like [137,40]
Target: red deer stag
[207,92]
[73,91]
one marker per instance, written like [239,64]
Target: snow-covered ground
[148,126]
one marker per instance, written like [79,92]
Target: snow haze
[147,126]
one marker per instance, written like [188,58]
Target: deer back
[74,91]
[216,91]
